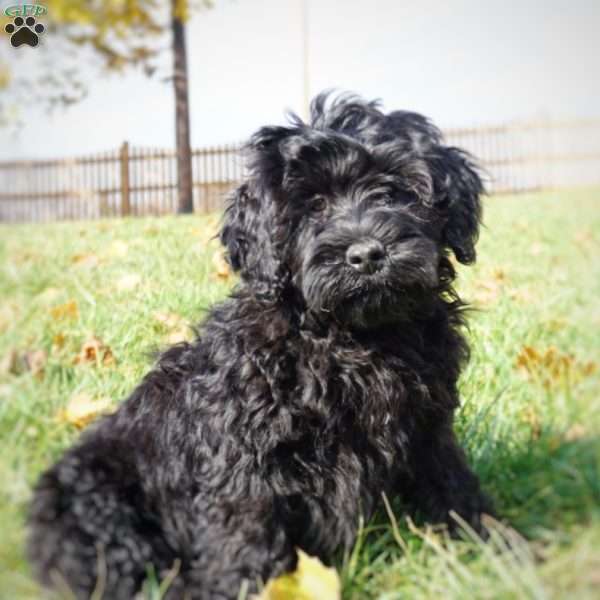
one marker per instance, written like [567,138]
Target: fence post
[125,205]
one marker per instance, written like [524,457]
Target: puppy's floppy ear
[253,231]
[458,188]
[240,210]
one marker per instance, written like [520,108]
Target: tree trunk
[185,202]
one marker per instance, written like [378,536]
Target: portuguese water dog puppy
[326,379]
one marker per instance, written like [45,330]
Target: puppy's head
[355,212]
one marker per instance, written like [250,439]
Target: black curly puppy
[328,377]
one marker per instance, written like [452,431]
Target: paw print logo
[24,31]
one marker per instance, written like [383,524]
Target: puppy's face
[358,222]
[364,250]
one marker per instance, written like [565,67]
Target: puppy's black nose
[366,256]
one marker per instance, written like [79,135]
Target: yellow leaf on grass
[49,296]
[118,249]
[85,260]
[180,334]
[222,269]
[310,581]
[551,367]
[68,310]
[128,282]
[169,320]
[175,325]
[82,410]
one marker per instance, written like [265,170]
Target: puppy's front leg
[234,544]
[442,481]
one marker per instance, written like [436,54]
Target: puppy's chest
[343,407]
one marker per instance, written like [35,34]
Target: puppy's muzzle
[366,256]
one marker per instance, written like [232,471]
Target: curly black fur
[319,384]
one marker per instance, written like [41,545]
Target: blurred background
[91,117]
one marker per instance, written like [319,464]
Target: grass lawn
[83,304]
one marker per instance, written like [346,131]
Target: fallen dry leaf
[58,341]
[178,330]
[118,249]
[68,310]
[310,581]
[531,417]
[499,274]
[82,410]
[151,230]
[10,363]
[576,432]
[222,269]
[85,260]
[524,295]
[128,282]
[536,248]
[36,360]
[16,362]
[169,320]
[487,292]
[94,351]
[488,289]
[8,315]
[552,367]
[49,296]
[181,334]
[584,237]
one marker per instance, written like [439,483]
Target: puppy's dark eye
[318,204]
[382,200]
[406,197]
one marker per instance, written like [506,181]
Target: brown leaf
[551,367]
[11,363]
[58,341]
[94,351]
[499,275]
[68,310]
[85,260]
[16,362]
[36,360]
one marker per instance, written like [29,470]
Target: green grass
[530,419]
